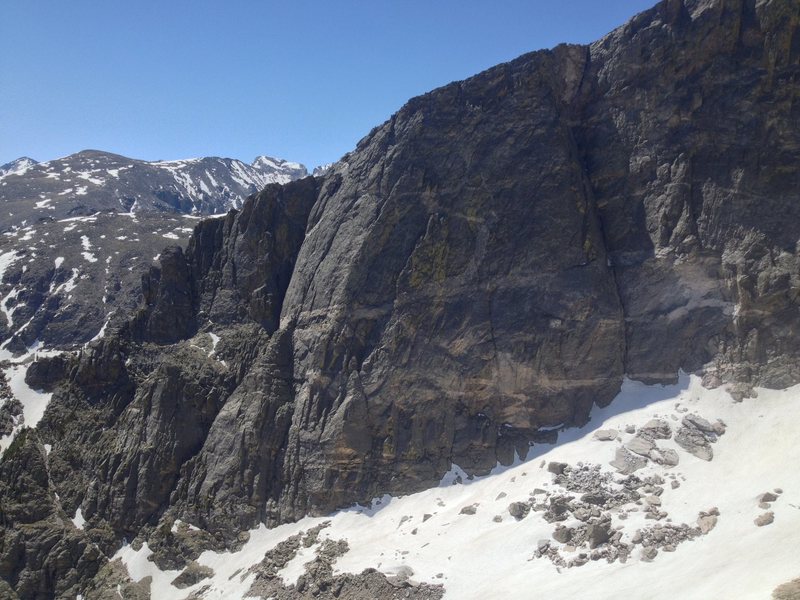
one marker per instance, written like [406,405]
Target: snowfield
[34,402]
[492,554]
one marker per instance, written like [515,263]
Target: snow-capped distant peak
[16,167]
[181,162]
[322,169]
[267,163]
[276,170]
[101,181]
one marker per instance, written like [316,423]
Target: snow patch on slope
[33,402]
[9,311]
[17,167]
[6,260]
[87,246]
[139,567]
[490,554]
[78,519]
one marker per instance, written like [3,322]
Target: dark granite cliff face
[485,266]
[235,270]
[689,132]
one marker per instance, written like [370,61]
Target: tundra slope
[483,269]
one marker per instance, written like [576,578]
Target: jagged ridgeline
[77,232]
[485,266]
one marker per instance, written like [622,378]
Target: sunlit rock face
[481,270]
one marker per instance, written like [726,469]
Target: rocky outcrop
[787,591]
[693,185]
[450,292]
[483,269]
[41,553]
[494,259]
[238,476]
[234,270]
[319,581]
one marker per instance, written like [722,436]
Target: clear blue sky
[297,79]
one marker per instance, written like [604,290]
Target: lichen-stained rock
[498,254]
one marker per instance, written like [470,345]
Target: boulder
[656,429]
[518,510]
[606,435]
[706,523]
[664,456]
[764,519]
[640,445]
[694,440]
[626,462]
[562,534]
[597,534]
[193,573]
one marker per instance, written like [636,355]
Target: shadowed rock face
[235,269]
[689,135]
[486,265]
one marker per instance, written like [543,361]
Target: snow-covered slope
[17,166]
[78,232]
[687,531]
[29,403]
[106,181]
[61,279]
[276,170]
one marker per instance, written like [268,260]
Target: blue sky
[298,79]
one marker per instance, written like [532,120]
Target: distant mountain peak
[102,181]
[269,165]
[320,170]
[85,222]
[17,166]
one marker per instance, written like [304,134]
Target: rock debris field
[658,483]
